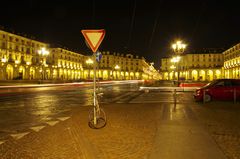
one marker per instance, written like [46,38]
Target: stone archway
[61,74]
[47,74]
[54,74]
[210,75]
[21,73]
[9,72]
[217,74]
[166,76]
[202,75]
[131,75]
[32,73]
[194,75]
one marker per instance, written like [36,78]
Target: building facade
[27,59]
[231,65]
[125,67]
[19,57]
[205,66]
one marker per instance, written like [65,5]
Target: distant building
[232,62]
[120,66]
[204,66]
[23,58]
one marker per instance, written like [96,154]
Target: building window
[28,51]
[3,45]
[16,48]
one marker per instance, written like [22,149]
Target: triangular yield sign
[94,38]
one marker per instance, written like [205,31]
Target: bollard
[175,96]
[234,95]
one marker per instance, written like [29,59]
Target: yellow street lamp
[178,47]
[117,67]
[89,61]
[172,67]
[4,60]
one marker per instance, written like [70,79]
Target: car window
[213,83]
[220,83]
[236,83]
[227,83]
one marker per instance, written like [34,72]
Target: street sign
[98,56]
[94,38]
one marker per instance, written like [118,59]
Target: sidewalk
[184,140]
[136,131]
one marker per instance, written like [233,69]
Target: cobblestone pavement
[128,134]
[222,121]
[130,131]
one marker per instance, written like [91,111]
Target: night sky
[141,27]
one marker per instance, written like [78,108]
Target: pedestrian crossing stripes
[63,118]
[52,123]
[37,128]
[19,135]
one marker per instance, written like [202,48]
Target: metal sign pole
[94,39]
[94,87]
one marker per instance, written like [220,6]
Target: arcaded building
[205,65]
[232,62]
[23,58]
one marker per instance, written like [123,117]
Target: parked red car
[221,89]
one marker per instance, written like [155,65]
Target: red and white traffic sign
[94,38]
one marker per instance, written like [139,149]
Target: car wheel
[207,98]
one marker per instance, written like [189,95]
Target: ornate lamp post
[178,49]
[42,53]
[175,60]
[173,68]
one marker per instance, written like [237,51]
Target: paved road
[140,125]
[24,108]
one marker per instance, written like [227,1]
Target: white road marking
[52,123]
[63,118]
[1,142]
[157,101]
[19,135]
[37,128]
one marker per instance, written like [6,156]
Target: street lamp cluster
[178,49]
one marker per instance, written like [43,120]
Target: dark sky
[142,27]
